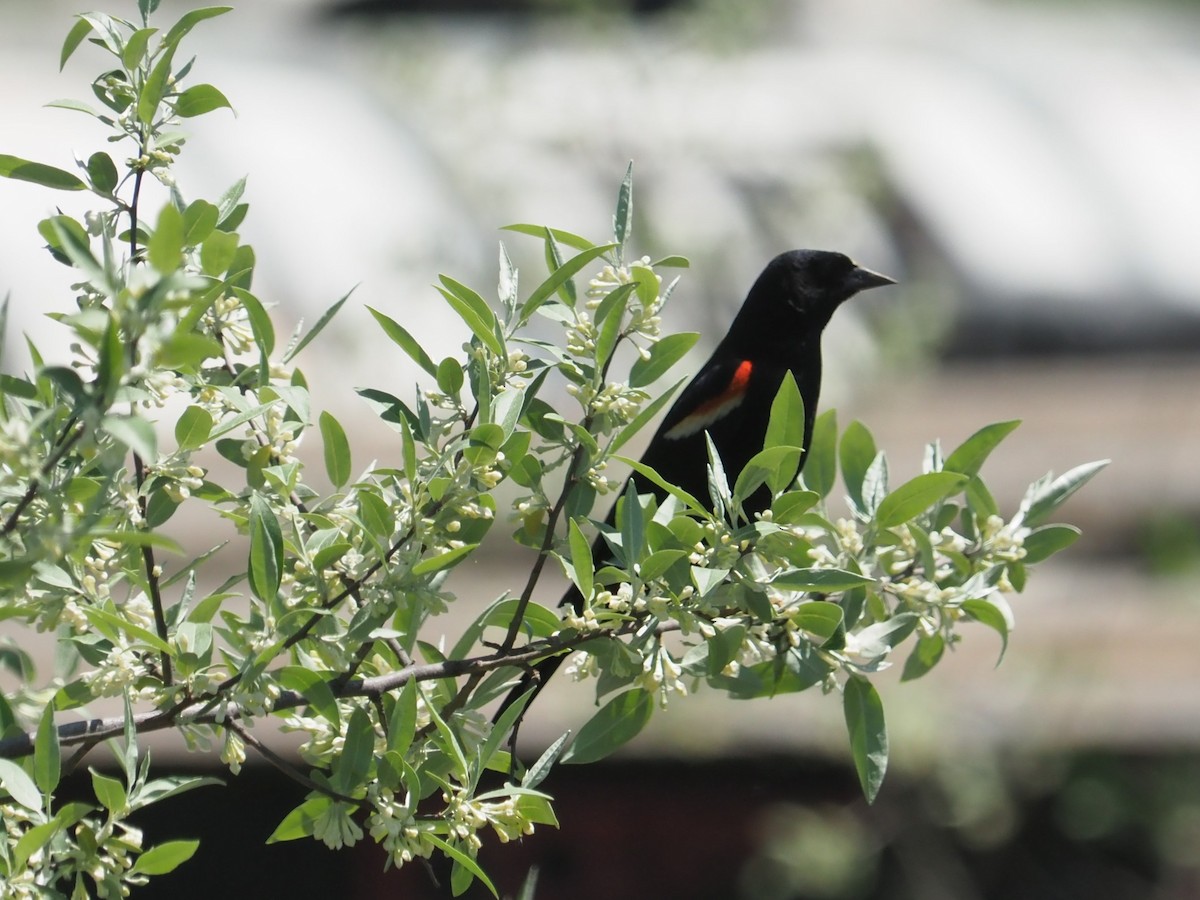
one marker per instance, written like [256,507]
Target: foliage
[176,363]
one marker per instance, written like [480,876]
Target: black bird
[777,330]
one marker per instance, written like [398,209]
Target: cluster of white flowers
[1002,541]
[104,854]
[490,474]
[179,480]
[756,646]
[161,384]
[280,435]
[510,370]
[157,161]
[120,669]
[336,827]
[17,463]
[619,401]
[233,751]
[467,816]
[581,334]
[719,549]
[661,673]
[643,318]
[229,318]
[394,826]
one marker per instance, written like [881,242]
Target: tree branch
[203,711]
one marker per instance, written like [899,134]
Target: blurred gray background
[1026,170]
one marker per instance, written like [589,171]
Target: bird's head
[800,289]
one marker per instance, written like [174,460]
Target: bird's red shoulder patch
[715,407]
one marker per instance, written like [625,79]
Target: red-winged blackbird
[777,330]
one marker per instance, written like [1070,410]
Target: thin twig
[285,767]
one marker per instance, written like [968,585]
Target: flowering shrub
[322,624]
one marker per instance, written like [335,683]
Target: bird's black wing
[718,388]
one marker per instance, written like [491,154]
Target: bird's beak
[864,279]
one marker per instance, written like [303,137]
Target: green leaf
[657,563]
[623,217]
[190,20]
[786,425]
[47,176]
[337,450]
[500,728]
[924,657]
[1046,541]
[824,581]
[326,318]
[191,431]
[473,310]
[1043,498]
[821,619]
[351,766]
[868,734]
[135,47]
[199,221]
[200,99]
[663,355]
[301,820]
[312,686]
[537,622]
[110,792]
[916,495]
[856,453]
[47,762]
[970,455]
[633,527]
[34,839]
[266,550]
[617,723]
[402,724]
[442,561]
[217,253]
[104,620]
[155,87]
[75,105]
[775,467]
[980,499]
[546,289]
[718,481]
[66,236]
[164,858]
[19,785]
[165,250]
[820,468]
[135,433]
[260,321]
[657,479]
[566,290]
[876,641]
[610,325]
[103,172]
[537,773]
[461,859]
[993,617]
[563,237]
[138,539]
[450,376]
[81,29]
[582,564]
[404,341]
